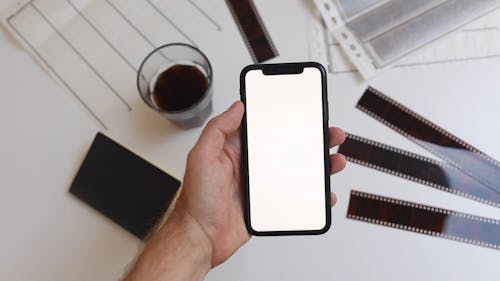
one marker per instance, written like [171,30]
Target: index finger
[337,136]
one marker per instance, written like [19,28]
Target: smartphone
[285,149]
[123,186]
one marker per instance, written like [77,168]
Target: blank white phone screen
[286,169]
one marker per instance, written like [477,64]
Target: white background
[48,235]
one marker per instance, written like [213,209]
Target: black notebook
[124,187]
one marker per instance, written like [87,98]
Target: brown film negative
[424,219]
[252,29]
[432,137]
[416,168]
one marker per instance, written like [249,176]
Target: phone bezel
[280,69]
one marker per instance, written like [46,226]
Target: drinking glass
[162,59]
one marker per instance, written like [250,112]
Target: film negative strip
[416,168]
[424,219]
[375,34]
[252,29]
[431,137]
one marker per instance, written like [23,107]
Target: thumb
[221,126]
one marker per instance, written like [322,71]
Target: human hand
[212,190]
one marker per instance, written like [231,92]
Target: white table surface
[47,234]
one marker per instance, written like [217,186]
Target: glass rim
[159,109]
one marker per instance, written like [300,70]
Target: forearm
[179,251]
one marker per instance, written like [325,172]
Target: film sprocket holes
[433,138]
[252,29]
[424,219]
[416,168]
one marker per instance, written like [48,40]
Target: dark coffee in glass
[185,79]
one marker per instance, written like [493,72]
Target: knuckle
[213,122]
[192,155]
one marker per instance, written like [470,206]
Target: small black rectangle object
[124,187]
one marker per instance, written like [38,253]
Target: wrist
[194,235]
[179,250]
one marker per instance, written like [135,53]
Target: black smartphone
[124,187]
[285,149]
